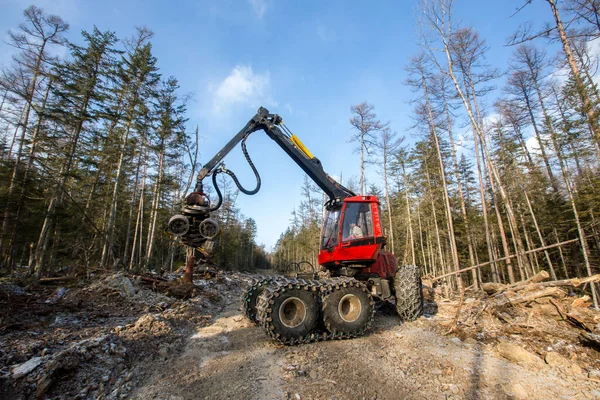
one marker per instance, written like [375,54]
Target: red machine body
[353,239]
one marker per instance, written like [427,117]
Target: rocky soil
[115,338]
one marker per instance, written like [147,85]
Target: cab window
[330,231]
[358,221]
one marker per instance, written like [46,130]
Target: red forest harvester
[296,310]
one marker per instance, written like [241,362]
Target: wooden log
[49,281]
[150,279]
[539,277]
[492,288]
[529,296]
[531,282]
[575,282]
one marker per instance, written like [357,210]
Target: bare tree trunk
[487,226]
[540,236]
[582,239]
[65,172]
[587,104]
[408,213]
[463,207]
[562,256]
[139,223]
[421,239]
[155,201]
[32,151]
[131,207]
[386,149]
[538,136]
[15,134]
[433,131]
[435,222]
[112,216]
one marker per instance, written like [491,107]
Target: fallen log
[539,277]
[492,288]
[529,296]
[49,281]
[149,279]
[574,282]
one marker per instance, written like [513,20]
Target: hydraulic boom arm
[195,226]
[271,123]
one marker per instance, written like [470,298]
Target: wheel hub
[292,312]
[349,308]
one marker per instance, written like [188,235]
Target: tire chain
[409,292]
[357,284]
[320,288]
[247,294]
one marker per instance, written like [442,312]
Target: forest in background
[502,176]
[95,156]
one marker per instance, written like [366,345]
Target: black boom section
[270,123]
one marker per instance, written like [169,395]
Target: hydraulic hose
[219,195]
[235,179]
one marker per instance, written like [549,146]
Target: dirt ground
[233,359]
[149,346]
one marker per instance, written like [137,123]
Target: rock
[471,341]
[122,284]
[594,374]
[163,305]
[149,323]
[19,371]
[66,360]
[43,385]
[576,369]
[556,360]
[163,352]
[455,389]
[121,351]
[518,355]
[517,391]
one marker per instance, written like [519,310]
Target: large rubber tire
[348,310]
[289,315]
[250,298]
[409,292]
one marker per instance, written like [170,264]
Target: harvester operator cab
[352,232]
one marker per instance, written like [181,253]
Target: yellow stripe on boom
[301,146]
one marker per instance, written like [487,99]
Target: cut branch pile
[542,313]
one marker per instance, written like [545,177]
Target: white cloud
[242,87]
[288,107]
[533,146]
[259,7]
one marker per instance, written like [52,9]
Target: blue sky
[308,61]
